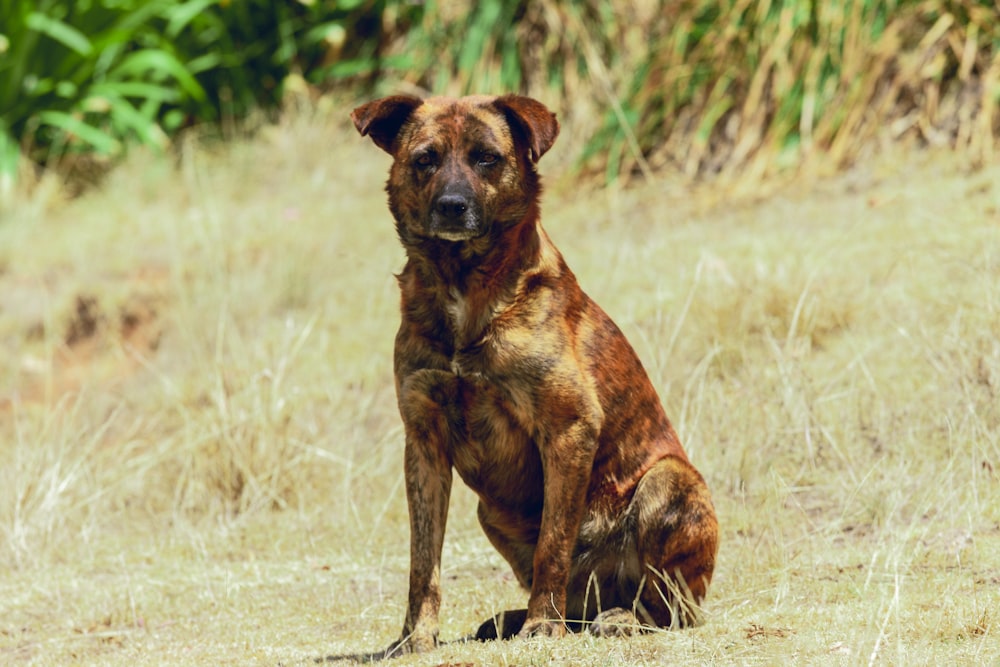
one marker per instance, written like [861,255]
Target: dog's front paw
[411,643]
[615,622]
[542,628]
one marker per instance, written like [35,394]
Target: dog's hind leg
[677,540]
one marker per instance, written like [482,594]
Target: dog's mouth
[465,228]
[454,236]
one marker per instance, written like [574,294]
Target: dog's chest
[468,320]
[456,309]
[484,354]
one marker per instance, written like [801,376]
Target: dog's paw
[615,622]
[542,628]
[504,625]
[408,644]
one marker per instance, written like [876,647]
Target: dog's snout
[455,214]
[451,206]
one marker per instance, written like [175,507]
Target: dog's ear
[532,119]
[382,119]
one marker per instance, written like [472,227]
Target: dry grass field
[201,458]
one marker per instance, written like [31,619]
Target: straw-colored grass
[200,454]
[726,87]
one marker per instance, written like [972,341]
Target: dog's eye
[424,161]
[487,159]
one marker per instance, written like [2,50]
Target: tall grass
[705,86]
[732,85]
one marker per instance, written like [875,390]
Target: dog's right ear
[382,119]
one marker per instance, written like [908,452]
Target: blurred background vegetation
[698,86]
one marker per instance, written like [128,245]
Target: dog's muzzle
[456,216]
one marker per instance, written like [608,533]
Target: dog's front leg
[567,459]
[425,399]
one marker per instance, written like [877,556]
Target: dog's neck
[471,282]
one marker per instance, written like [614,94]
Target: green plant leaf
[139,89]
[477,36]
[10,154]
[173,119]
[101,141]
[319,33]
[155,60]
[66,89]
[144,126]
[182,14]
[204,63]
[61,32]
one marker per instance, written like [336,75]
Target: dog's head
[461,166]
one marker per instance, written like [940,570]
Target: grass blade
[159,62]
[101,142]
[61,32]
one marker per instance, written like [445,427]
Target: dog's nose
[451,206]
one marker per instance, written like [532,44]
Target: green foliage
[76,75]
[91,76]
[704,86]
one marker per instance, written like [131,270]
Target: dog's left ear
[533,120]
[383,119]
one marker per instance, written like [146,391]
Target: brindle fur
[508,373]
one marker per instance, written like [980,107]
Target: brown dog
[507,372]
